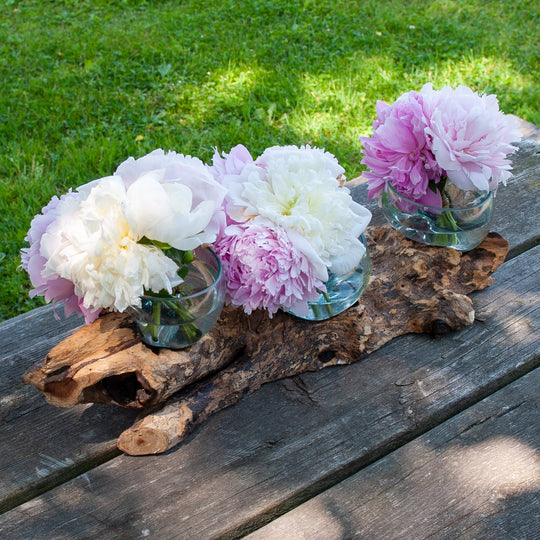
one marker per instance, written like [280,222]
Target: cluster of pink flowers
[428,136]
[290,220]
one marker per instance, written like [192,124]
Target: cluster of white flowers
[302,190]
[106,239]
[290,221]
[279,223]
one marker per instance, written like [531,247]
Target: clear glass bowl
[462,225]
[342,291]
[179,321]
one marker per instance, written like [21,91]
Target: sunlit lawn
[87,84]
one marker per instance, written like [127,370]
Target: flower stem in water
[327,306]
[156,320]
[190,330]
[317,309]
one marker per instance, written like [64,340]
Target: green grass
[87,84]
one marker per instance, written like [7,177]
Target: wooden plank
[513,211]
[23,340]
[25,417]
[33,459]
[294,439]
[528,130]
[476,475]
[38,327]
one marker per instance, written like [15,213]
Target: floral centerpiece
[291,226]
[436,159]
[115,240]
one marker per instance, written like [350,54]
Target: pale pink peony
[398,151]
[470,137]
[231,164]
[301,191]
[231,170]
[264,270]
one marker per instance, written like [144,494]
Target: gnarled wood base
[413,288]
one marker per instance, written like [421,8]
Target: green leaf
[163,293]
[183,271]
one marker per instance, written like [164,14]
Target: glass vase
[342,291]
[462,225]
[178,321]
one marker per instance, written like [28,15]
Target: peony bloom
[230,170]
[265,270]
[187,181]
[93,243]
[428,136]
[52,287]
[96,248]
[232,164]
[398,151]
[300,191]
[470,136]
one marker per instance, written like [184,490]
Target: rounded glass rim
[485,197]
[198,293]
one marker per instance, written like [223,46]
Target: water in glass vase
[178,321]
[462,225]
[342,291]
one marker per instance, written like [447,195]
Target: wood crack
[495,416]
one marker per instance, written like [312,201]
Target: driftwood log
[413,288]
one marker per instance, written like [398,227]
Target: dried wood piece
[106,362]
[414,288]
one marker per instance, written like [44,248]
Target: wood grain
[295,438]
[475,476]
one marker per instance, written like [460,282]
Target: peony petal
[431,198]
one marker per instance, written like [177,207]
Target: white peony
[164,211]
[301,190]
[191,184]
[94,243]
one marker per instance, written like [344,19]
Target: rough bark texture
[413,288]
[106,362]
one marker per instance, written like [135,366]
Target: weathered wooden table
[423,438]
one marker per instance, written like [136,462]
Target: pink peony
[52,288]
[470,136]
[429,135]
[398,152]
[265,270]
[231,164]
